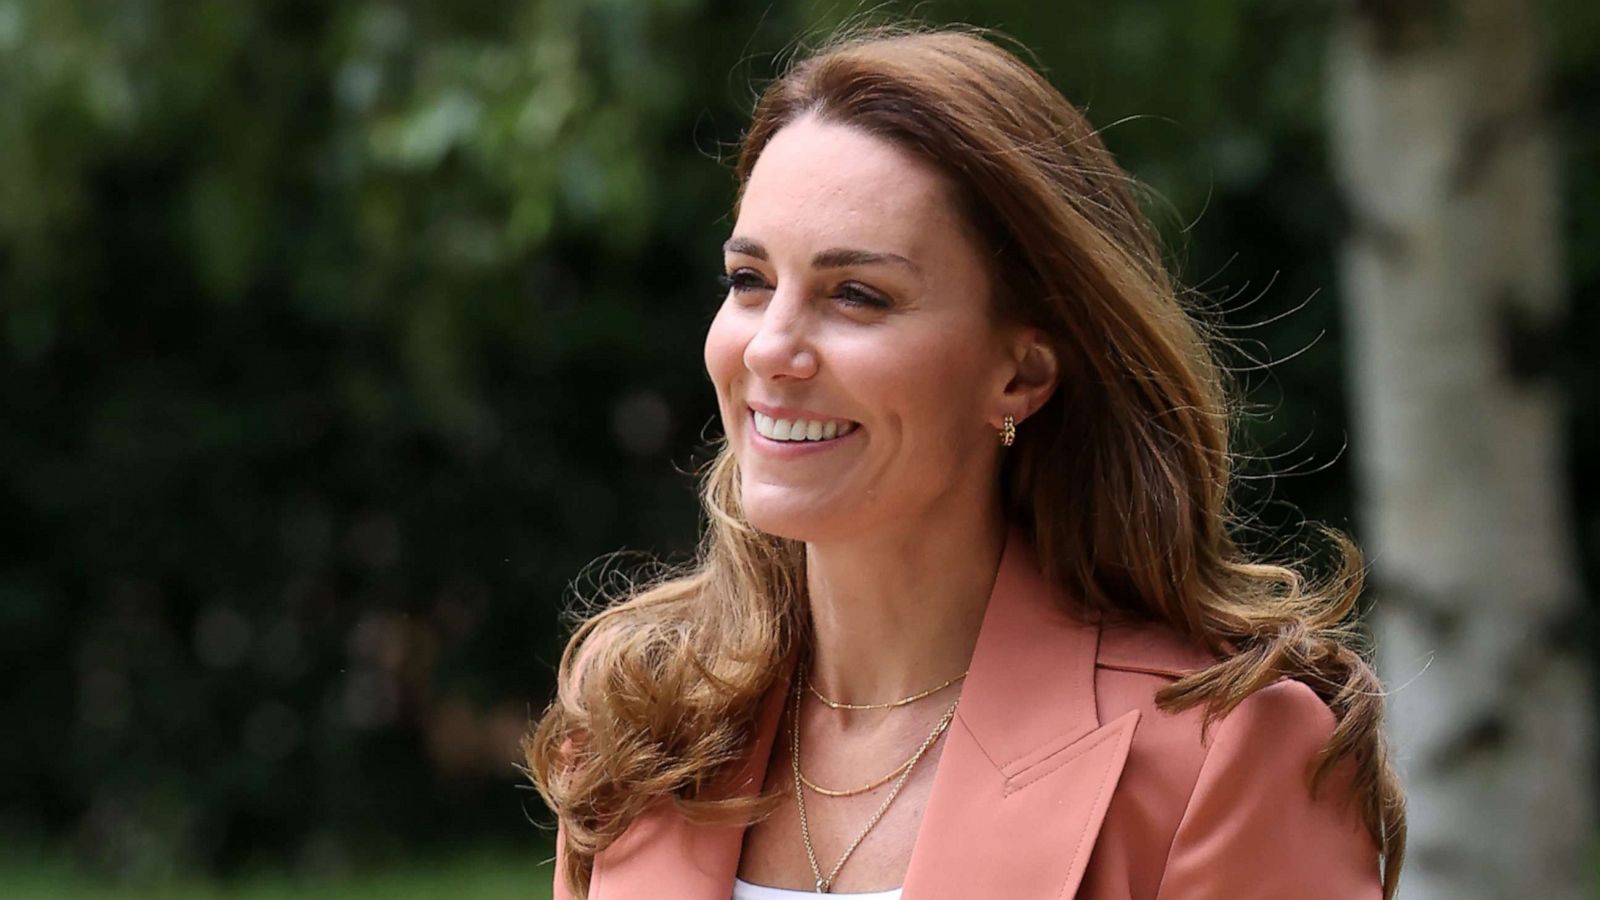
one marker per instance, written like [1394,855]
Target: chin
[795,518]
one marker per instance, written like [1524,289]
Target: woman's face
[859,309]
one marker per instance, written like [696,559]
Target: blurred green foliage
[337,338]
[479,875]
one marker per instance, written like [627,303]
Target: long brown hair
[1121,478]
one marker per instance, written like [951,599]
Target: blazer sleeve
[1252,830]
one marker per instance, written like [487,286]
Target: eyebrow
[833,258]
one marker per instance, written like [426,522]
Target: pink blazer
[1061,779]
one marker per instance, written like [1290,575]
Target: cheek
[724,351]
[940,385]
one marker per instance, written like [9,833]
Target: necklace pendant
[822,886]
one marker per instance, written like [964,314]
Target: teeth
[801,429]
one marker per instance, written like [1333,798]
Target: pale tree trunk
[1453,289]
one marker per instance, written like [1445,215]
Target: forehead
[822,183]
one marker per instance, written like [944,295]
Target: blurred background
[339,337]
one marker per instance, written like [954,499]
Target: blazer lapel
[1028,769]
[663,855]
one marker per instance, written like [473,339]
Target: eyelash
[750,281]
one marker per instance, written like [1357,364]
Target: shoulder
[1195,803]
[1252,799]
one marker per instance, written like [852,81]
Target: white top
[744,890]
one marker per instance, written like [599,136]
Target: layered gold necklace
[903,701]
[900,774]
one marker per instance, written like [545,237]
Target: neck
[898,612]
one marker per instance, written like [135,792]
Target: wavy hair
[1122,478]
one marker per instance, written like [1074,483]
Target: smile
[800,430]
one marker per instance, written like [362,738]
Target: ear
[1031,374]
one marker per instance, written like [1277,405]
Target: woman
[967,620]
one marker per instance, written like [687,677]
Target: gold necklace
[834,704]
[851,792]
[824,883]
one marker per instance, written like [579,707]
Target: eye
[741,280]
[853,294]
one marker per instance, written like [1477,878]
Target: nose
[782,344]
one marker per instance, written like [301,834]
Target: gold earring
[1008,432]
